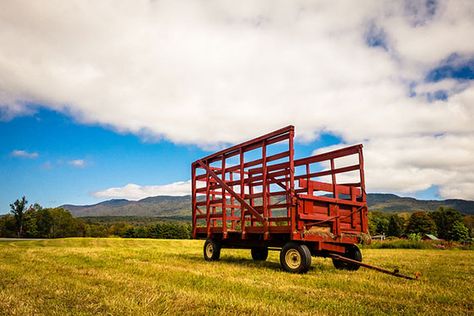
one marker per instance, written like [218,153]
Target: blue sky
[110,159]
[123,111]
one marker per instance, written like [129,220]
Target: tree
[18,211]
[63,224]
[29,222]
[44,223]
[421,222]
[395,226]
[445,219]
[7,226]
[469,222]
[459,232]
[378,223]
[95,230]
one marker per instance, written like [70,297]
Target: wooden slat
[218,216]
[328,172]
[347,151]
[330,200]
[327,187]
[211,202]
[315,217]
[279,219]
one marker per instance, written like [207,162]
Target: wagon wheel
[259,254]
[212,250]
[352,252]
[295,258]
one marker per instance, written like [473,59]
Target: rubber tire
[352,252]
[216,250]
[259,254]
[305,254]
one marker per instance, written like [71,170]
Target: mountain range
[180,206]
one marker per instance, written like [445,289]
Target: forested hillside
[180,206]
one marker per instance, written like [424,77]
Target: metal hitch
[368,266]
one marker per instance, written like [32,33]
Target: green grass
[83,276]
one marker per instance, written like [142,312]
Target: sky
[103,100]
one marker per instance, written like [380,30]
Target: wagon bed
[257,195]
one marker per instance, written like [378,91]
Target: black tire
[352,252]
[295,258]
[259,254]
[212,250]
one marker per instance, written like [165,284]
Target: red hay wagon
[257,196]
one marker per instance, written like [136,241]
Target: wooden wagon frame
[256,195]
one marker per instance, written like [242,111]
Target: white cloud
[213,72]
[24,154]
[77,163]
[407,164]
[136,192]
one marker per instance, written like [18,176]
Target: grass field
[83,276]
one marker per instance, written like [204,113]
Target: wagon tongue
[368,266]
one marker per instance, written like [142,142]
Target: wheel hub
[293,258]
[209,250]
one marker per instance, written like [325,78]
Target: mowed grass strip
[84,276]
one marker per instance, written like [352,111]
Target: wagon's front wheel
[212,250]
[295,258]
[352,252]
[259,254]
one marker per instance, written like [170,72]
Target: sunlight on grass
[156,277]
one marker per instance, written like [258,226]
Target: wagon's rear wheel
[259,254]
[212,250]
[352,252]
[295,258]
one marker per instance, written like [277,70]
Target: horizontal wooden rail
[330,200]
[352,150]
[328,187]
[328,172]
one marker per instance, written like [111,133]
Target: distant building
[424,237]
[378,237]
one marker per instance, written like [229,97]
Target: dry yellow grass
[81,276]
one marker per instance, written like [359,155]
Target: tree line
[35,221]
[444,223]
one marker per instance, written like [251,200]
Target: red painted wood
[259,195]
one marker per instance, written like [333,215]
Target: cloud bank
[385,73]
[136,192]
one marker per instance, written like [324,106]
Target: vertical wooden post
[337,222]
[353,209]
[293,206]
[208,204]
[264,191]
[213,209]
[288,200]
[333,178]
[308,171]
[232,203]
[252,202]
[224,201]
[363,212]
[242,193]
[193,197]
